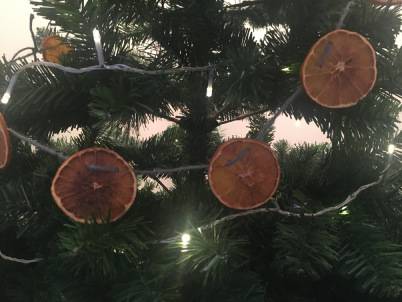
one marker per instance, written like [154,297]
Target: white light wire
[246,213]
[118,67]
[276,209]
[19,260]
[122,67]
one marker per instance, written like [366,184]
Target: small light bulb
[97,36]
[98,46]
[285,69]
[210,80]
[185,238]
[297,123]
[391,149]
[176,140]
[5,98]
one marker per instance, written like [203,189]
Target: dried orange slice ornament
[5,144]
[55,49]
[385,2]
[243,173]
[79,192]
[347,74]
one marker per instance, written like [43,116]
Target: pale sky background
[15,35]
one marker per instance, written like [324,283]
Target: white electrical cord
[119,67]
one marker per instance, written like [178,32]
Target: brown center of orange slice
[5,144]
[347,74]
[243,180]
[80,192]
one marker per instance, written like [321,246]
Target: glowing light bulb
[176,140]
[391,149]
[5,98]
[97,37]
[209,91]
[210,80]
[285,69]
[98,46]
[185,238]
[297,123]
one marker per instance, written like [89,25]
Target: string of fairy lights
[120,67]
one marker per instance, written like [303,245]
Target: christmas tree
[332,230]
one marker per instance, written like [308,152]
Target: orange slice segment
[251,180]
[78,191]
[5,144]
[348,73]
[55,50]
[385,2]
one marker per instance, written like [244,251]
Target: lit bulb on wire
[185,239]
[5,98]
[10,87]
[98,46]
[210,80]
[97,37]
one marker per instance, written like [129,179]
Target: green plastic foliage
[306,248]
[370,259]
[257,122]
[212,254]
[103,248]
[215,257]
[255,258]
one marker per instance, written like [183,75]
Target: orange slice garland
[5,144]
[385,2]
[251,180]
[79,192]
[347,74]
[56,49]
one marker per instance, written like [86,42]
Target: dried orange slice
[347,74]
[5,144]
[55,50]
[243,173]
[385,2]
[78,191]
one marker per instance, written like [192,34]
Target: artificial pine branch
[241,256]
